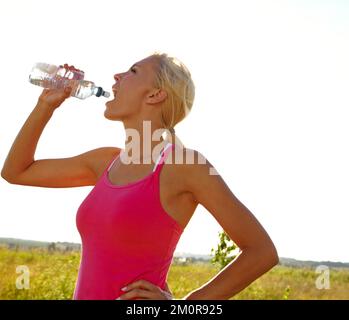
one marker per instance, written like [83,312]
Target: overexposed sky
[270,112]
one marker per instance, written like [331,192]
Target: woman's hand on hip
[144,290]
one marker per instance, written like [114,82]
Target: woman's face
[132,90]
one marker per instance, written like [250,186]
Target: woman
[132,220]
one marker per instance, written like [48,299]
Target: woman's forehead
[147,63]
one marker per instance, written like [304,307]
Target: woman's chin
[110,110]
[109,116]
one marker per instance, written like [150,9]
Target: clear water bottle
[57,77]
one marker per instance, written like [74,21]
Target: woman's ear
[156,96]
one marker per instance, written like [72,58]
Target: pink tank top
[126,235]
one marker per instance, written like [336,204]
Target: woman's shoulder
[189,163]
[198,176]
[102,157]
[187,156]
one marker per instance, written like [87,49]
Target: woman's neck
[144,152]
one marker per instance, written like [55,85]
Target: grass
[53,276]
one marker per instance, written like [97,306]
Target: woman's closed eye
[133,70]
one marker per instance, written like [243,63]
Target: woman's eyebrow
[135,65]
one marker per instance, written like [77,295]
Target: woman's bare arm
[20,167]
[258,253]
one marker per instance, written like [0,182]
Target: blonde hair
[174,77]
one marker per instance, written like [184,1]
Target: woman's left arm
[258,253]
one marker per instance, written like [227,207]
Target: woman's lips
[114,92]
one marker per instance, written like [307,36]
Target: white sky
[270,112]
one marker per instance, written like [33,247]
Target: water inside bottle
[51,76]
[47,75]
[82,89]
[70,74]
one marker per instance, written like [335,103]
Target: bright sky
[270,113]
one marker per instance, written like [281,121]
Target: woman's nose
[117,77]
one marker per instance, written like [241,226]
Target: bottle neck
[98,92]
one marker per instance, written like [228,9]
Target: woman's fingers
[137,293]
[72,73]
[145,290]
[68,67]
[142,284]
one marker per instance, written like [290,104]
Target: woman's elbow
[272,254]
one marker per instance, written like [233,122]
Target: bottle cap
[103,93]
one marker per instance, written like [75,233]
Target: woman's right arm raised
[21,168]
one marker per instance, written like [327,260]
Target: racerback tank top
[126,235]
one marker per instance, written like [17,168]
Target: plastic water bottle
[57,77]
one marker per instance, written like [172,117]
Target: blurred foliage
[223,253]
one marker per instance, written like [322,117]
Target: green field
[53,276]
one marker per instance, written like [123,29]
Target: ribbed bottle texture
[57,77]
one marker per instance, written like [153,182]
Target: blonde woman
[140,204]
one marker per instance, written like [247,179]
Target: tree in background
[223,254]
[51,247]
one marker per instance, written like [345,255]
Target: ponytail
[172,137]
[173,77]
